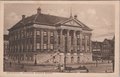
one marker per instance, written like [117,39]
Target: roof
[108,41]
[44,19]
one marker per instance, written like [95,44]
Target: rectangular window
[45,33]
[22,47]
[18,47]
[45,39]
[30,46]
[51,46]
[51,33]
[78,36]
[83,47]
[21,33]
[78,41]
[38,32]
[27,46]
[31,33]
[59,39]
[38,45]
[88,48]
[78,47]
[27,34]
[71,40]
[44,46]
[51,40]
[83,37]
[38,40]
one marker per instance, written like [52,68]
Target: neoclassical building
[43,38]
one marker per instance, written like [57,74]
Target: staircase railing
[52,57]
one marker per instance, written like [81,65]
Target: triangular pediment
[71,22]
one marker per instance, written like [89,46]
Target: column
[48,48]
[85,43]
[74,41]
[56,40]
[41,40]
[90,45]
[68,43]
[34,40]
[61,40]
[80,41]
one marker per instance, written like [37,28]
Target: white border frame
[37,74]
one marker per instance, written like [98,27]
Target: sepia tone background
[70,75]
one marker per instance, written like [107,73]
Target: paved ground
[100,68]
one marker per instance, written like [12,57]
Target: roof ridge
[35,18]
[54,15]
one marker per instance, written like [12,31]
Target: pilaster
[41,40]
[56,40]
[34,40]
[48,38]
[61,40]
[68,43]
[74,41]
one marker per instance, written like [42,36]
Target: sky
[99,17]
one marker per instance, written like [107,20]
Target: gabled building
[44,38]
[96,50]
[107,49]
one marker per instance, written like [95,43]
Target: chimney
[39,10]
[23,17]
[75,16]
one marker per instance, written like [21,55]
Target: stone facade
[45,38]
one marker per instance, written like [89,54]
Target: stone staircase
[48,58]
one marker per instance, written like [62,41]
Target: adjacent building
[6,46]
[107,49]
[44,38]
[96,50]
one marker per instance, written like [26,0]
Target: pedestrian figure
[87,70]
[10,64]
[25,70]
